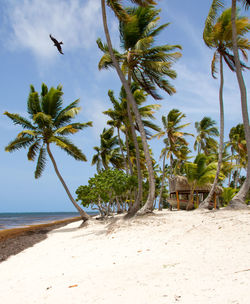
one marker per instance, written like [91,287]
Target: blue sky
[27,57]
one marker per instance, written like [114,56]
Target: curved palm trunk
[162,181]
[148,207]
[238,200]
[205,203]
[83,214]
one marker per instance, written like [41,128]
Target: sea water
[14,220]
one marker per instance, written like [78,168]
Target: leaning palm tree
[206,130]
[218,35]
[50,123]
[120,13]
[239,199]
[151,76]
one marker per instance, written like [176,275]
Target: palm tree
[115,5]
[218,35]
[239,198]
[172,129]
[108,152]
[49,124]
[119,118]
[206,130]
[199,173]
[238,148]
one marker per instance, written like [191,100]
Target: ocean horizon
[10,220]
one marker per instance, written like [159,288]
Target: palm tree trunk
[162,181]
[205,203]
[123,156]
[148,207]
[128,152]
[130,165]
[238,200]
[138,199]
[190,204]
[230,173]
[83,214]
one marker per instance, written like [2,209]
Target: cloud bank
[31,21]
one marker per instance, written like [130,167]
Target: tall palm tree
[218,35]
[50,123]
[206,130]
[115,5]
[172,129]
[108,152]
[239,199]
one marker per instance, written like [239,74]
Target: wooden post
[178,202]
[214,200]
[197,199]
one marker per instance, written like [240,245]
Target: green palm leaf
[68,147]
[19,120]
[73,128]
[33,149]
[33,104]
[67,113]
[18,143]
[118,9]
[42,119]
[41,162]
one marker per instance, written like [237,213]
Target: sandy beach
[165,257]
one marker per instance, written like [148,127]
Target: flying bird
[57,44]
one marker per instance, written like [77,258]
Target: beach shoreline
[15,240]
[165,257]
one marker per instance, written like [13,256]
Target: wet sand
[15,240]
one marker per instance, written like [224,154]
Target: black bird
[57,44]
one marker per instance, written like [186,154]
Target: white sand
[165,258]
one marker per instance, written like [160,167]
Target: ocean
[14,220]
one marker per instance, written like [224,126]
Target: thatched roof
[180,184]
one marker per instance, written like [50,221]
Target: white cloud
[31,21]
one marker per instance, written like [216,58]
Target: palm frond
[213,64]
[42,119]
[144,2]
[33,103]
[18,143]
[151,125]
[55,104]
[159,29]
[66,114]
[73,128]
[211,18]
[105,62]
[33,150]
[68,147]
[41,163]
[28,132]
[118,10]
[19,120]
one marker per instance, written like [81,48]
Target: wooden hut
[180,190]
